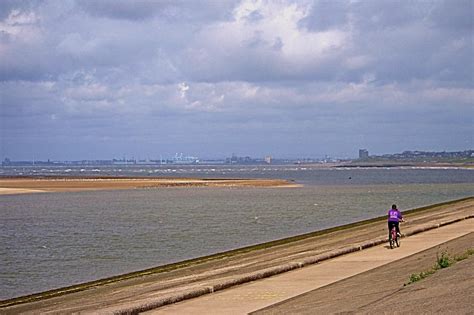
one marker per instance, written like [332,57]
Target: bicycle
[393,238]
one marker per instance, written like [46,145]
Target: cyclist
[394,218]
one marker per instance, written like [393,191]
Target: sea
[52,240]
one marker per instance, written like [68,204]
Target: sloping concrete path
[383,291]
[263,293]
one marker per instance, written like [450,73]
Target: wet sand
[22,185]
[16,191]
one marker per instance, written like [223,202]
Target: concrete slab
[381,291]
[259,294]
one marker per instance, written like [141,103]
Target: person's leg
[397,225]
[390,224]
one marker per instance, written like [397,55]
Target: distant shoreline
[395,164]
[22,184]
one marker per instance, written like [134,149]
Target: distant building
[180,159]
[268,159]
[242,160]
[363,154]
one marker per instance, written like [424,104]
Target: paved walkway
[259,294]
[383,291]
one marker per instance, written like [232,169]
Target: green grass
[442,261]
[465,255]
[414,277]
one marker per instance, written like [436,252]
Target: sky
[112,78]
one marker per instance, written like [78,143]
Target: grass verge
[442,261]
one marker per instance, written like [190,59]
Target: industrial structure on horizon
[180,159]
[363,154]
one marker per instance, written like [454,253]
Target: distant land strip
[373,163]
[21,185]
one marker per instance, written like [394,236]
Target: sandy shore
[62,184]
[16,191]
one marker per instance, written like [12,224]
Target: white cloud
[274,42]
[75,44]
[20,24]
[356,62]
[183,88]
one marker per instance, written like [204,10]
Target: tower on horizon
[363,154]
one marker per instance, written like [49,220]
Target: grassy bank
[442,261]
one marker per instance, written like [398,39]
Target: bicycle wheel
[392,237]
[397,241]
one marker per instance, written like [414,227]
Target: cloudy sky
[108,78]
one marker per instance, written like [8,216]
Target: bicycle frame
[394,238]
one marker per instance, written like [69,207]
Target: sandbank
[21,185]
[16,191]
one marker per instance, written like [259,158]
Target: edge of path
[269,272]
[380,290]
[243,279]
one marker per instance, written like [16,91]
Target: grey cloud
[403,44]
[397,53]
[277,44]
[27,62]
[456,15]
[325,15]
[7,6]
[254,16]
[364,15]
[401,40]
[123,9]
[67,44]
[382,15]
[260,62]
[164,9]
[256,41]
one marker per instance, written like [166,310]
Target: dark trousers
[395,224]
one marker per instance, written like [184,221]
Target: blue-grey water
[52,240]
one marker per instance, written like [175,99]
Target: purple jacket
[394,215]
